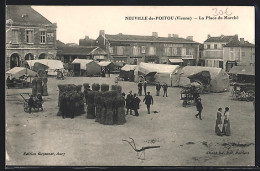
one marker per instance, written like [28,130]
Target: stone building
[29,36]
[133,49]
[213,51]
[238,52]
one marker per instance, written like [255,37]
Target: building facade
[133,49]
[28,36]
[238,52]
[213,51]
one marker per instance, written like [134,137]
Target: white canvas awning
[17,72]
[176,60]
[128,67]
[83,63]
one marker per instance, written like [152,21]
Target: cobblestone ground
[183,139]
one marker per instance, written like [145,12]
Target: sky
[76,22]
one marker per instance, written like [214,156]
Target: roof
[220,39]
[128,67]
[79,50]
[25,15]
[60,43]
[104,63]
[52,64]
[82,62]
[237,43]
[190,70]
[17,72]
[159,68]
[243,70]
[139,38]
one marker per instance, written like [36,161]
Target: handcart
[37,105]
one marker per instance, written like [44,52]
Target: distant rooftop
[139,38]
[221,38]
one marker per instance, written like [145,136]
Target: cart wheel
[250,95]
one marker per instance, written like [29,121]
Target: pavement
[45,139]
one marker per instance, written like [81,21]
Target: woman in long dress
[226,127]
[218,127]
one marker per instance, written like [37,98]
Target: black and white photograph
[129,85]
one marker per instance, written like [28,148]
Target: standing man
[145,85]
[158,87]
[140,88]
[148,101]
[199,108]
[136,102]
[165,87]
[129,103]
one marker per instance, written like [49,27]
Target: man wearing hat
[148,101]
[199,108]
[129,102]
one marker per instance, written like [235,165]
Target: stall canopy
[243,70]
[127,72]
[83,63]
[90,67]
[128,67]
[39,66]
[107,65]
[51,63]
[17,72]
[219,79]
[163,73]
[203,77]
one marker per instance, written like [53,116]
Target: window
[29,36]
[191,51]
[136,50]
[183,51]
[120,50]
[152,50]
[43,36]
[143,49]
[174,51]
[15,36]
[111,50]
[243,54]
[215,46]
[208,46]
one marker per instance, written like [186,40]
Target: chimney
[86,37]
[209,36]
[169,35]
[242,40]
[102,32]
[155,34]
[190,38]
[175,35]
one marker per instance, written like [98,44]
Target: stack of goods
[34,87]
[109,107]
[44,86]
[104,87]
[117,88]
[70,100]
